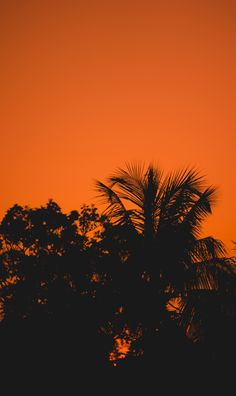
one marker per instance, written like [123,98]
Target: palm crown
[173,205]
[166,214]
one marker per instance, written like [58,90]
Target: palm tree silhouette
[167,258]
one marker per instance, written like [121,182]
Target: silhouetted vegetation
[134,288]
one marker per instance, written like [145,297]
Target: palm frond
[178,191]
[139,186]
[150,209]
[199,210]
[116,210]
[211,274]
[201,277]
[129,183]
[212,289]
[206,249]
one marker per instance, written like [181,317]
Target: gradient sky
[88,85]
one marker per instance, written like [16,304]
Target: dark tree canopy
[136,287]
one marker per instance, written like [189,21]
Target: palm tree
[165,213]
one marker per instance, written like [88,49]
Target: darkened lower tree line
[74,285]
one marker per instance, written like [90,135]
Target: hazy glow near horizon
[89,85]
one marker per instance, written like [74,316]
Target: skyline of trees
[139,272]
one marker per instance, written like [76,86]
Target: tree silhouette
[136,282]
[47,263]
[34,242]
[167,259]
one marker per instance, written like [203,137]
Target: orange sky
[87,85]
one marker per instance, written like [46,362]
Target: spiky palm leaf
[115,209]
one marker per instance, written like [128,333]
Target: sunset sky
[87,85]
